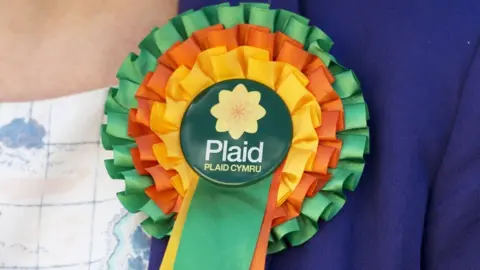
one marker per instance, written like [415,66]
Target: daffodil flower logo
[238,111]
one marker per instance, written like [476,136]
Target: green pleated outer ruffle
[324,205]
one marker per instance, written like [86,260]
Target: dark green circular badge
[236,132]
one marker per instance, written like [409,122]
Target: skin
[52,48]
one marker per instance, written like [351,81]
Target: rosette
[235,132]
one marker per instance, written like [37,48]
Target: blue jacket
[418,203]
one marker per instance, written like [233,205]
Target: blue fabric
[418,203]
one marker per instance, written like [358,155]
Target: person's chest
[411,58]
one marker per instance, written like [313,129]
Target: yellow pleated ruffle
[215,65]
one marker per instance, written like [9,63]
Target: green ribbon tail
[222,226]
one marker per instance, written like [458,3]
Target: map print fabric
[58,207]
